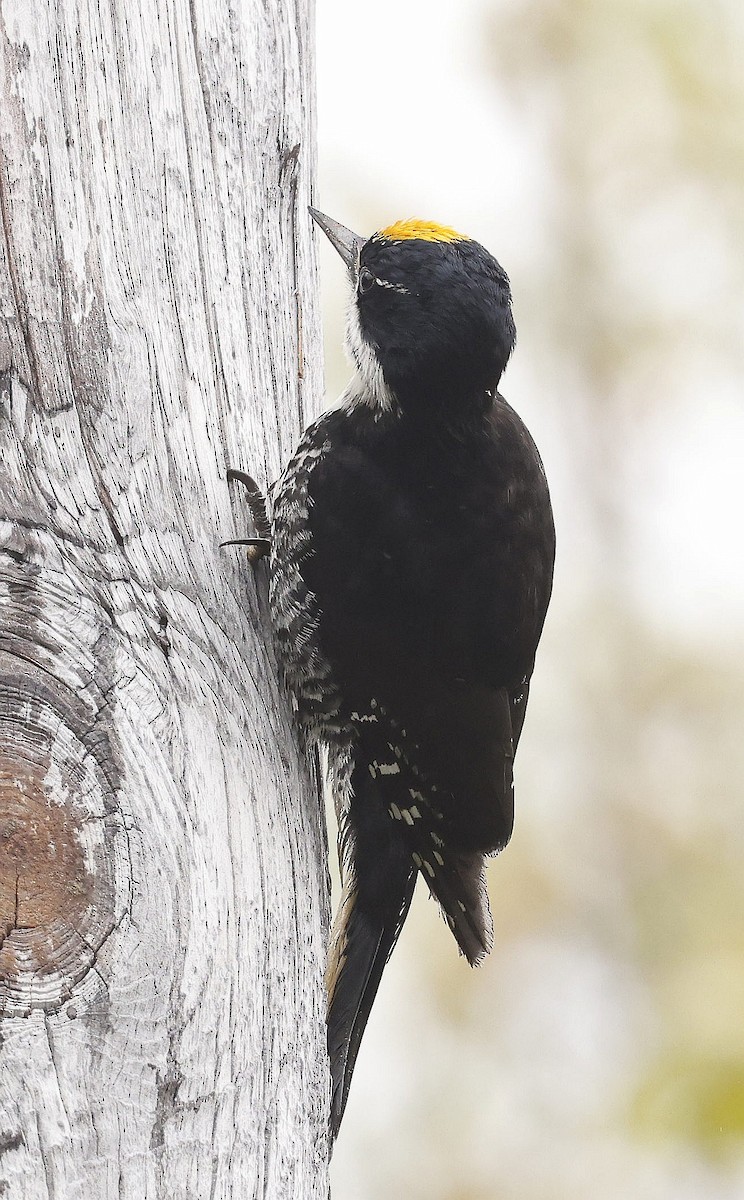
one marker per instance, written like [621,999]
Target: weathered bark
[163,889]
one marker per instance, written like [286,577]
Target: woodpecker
[411,565]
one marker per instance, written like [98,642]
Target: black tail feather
[365,943]
[458,882]
[379,878]
[393,829]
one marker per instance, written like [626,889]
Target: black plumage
[411,571]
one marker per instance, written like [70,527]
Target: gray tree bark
[163,889]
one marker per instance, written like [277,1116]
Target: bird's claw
[256,502]
[257,547]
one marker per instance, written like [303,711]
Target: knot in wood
[62,841]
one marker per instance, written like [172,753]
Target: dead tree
[163,889]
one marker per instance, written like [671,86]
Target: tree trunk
[163,890]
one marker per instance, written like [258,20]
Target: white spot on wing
[388,768]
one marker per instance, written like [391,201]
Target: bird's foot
[260,546]
[256,502]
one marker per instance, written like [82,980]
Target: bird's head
[429,321]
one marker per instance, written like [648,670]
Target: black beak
[342,239]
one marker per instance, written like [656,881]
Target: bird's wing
[434,724]
[376,576]
[440,745]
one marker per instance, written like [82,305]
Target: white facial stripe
[370,387]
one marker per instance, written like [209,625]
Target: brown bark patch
[58,826]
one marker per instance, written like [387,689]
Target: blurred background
[597,148]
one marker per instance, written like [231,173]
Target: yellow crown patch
[424,231]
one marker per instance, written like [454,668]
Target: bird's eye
[366,281]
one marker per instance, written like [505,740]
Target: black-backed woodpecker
[410,572]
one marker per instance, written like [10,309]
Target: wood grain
[163,888]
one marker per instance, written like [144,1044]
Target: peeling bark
[163,890]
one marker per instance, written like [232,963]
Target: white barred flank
[294,608]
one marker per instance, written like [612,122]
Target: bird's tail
[370,917]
